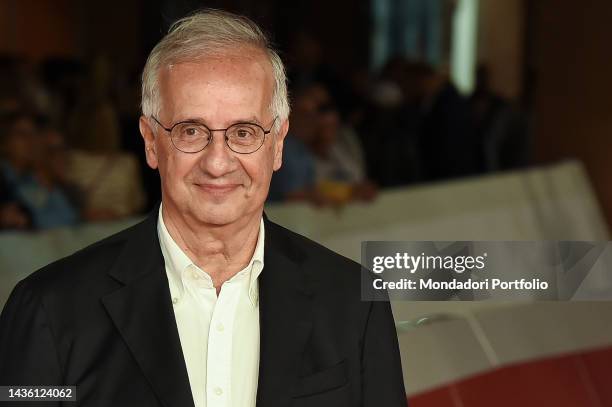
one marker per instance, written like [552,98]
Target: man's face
[215,186]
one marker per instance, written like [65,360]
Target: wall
[36,29]
[573,93]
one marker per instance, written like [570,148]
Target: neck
[221,251]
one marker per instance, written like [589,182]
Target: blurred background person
[340,168]
[32,179]
[501,127]
[448,144]
[15,161]
[391,125]
[295,180]
[109,177]
[323,161]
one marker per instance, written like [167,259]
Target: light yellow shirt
[219,334]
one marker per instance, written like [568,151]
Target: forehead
[217,86]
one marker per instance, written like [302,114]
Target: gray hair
[206,33]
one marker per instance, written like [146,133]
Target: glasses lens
[245,138]
[190,137]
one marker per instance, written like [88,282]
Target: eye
[243,134]
[191,131]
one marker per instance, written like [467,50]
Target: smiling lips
[217,189]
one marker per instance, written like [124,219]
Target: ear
[146,131]
[278,145]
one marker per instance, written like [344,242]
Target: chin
[216,214]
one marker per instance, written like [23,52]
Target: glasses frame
[210,139]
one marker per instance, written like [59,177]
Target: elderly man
[206,302]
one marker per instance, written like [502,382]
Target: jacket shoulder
[320,261]
[309,247]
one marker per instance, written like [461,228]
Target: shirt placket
[220,342]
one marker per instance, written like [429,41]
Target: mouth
[217,189]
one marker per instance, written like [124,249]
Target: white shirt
[219,335]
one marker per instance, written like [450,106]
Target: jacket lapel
[142,312]
[285,301]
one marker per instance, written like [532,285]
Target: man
[206,302]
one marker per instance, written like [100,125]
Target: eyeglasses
[192,136]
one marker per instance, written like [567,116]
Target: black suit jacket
[102,320]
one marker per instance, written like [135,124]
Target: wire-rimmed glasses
[193,136]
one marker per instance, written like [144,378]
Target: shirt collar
[177,261]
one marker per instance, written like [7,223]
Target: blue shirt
[48,208]
[296,173]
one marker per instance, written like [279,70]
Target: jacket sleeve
[382,379]
[28,353]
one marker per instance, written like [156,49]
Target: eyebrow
[251,119]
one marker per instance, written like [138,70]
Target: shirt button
[175,300]
[218,391]
[220,327]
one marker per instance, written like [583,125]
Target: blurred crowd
[70,150]
[353,133]
[67,152]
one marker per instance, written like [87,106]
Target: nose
[217,158]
